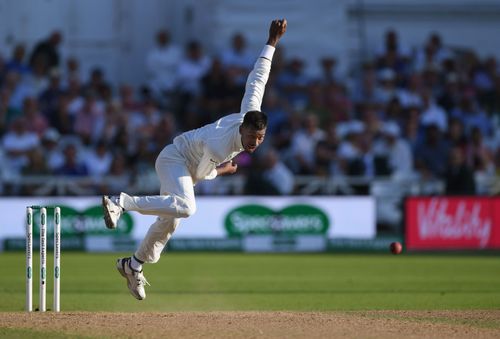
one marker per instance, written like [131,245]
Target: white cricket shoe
[112,211]
[135,279]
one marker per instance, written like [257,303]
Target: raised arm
[257,79]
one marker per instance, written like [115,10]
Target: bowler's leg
[157,237]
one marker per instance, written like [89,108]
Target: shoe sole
[123,274]
[105,211]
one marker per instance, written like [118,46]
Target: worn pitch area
[252,324]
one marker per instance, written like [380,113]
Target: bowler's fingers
[283,24]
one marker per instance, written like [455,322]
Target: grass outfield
[239,282]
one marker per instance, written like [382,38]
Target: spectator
[220,94]
[317,98]
[478,155]
[432,113]
[355,154]
[191,69]
[325,153]
[387,80]
[114,119]
[45,55]
[119,175]
[51,149]
[4,109]
[17,63]
[238,60]
[394,112]
[37,121]
[276,110]
[411,95]
[397,151]
[329,73]
[432,54]
[75,96]
[36,166]
[165,130]
[304,143]
[98,160]
[459,176]
[97,84]
[430,153]
[127,100]
[63,118]
[451,95]
[484,81]
[72,166]
[86,119]
[471,115]
[49,99]
[162,62]
[38,80]
[17,143]
[392,44]
[189,74]
[350,151]
[72,72]
[337,102]
[282,138]
[392,60]
[367,90]
[141,124]
[269,176]
[411,126]
[293,84]
[17,91]
[456,134]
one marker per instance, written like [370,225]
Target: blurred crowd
[425,112]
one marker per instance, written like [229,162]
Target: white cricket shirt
[211,145]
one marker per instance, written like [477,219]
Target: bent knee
[187,209]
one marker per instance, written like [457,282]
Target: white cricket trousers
[176,200]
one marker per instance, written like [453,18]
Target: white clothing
[194,156]
[281,178]
[98,165]
[13,142]
[434,114]
[189,74]
[232,58]
[401,158]
[409,98]
[304,144]
[162,66]
[211,145]
[398,154]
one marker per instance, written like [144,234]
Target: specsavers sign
[293,219]
[216,217]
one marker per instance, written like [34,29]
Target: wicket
[43,258]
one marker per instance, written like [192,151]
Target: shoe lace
[141,280]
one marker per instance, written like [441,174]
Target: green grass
[203,281]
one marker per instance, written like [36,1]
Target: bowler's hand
[276,31]
[227,168]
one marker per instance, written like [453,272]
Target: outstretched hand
[276,31]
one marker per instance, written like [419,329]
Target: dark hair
[255,120]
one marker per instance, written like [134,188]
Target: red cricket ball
[396,247]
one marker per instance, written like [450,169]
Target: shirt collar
[237,143]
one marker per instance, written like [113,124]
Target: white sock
[135,264]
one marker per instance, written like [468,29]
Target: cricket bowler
[200,154]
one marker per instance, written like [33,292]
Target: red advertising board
[435,223]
